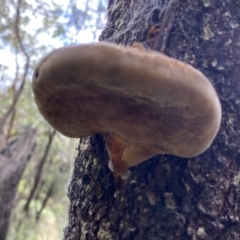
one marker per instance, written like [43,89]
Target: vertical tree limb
[27,58]
[39,170]
[13,160]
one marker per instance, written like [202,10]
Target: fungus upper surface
[152,102]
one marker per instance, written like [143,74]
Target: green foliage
[43,25]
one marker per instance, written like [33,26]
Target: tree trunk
[169,197]
[13,160]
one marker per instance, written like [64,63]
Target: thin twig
[39,171]
[17,93]
[49,194]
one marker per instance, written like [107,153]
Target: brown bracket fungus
[144,102]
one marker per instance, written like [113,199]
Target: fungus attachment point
[143,102]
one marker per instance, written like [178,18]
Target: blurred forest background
[29,29]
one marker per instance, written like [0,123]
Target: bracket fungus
[143,102]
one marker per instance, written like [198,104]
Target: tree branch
[17,93]
[39,171]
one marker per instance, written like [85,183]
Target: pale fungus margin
[143,102]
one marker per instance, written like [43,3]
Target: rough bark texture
[13,160]
[169,197]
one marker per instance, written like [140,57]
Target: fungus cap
[144,102]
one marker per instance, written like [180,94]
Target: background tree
[168,197]
[35,192]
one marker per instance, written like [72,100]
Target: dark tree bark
[169,197]
[13,160]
